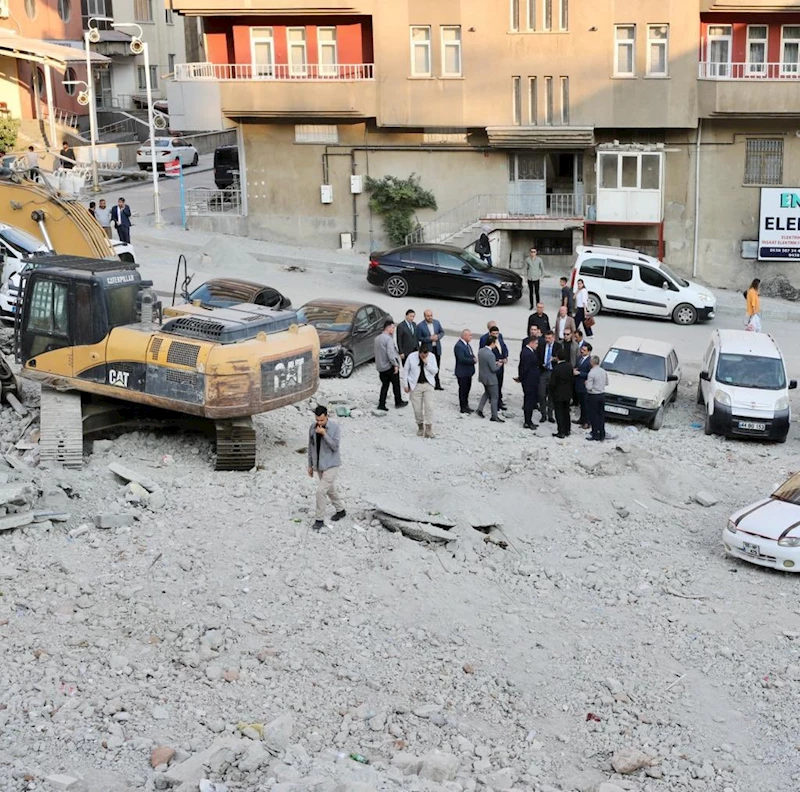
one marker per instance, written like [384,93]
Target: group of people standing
[118,215]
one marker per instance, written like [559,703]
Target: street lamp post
[137,45]
[87,38]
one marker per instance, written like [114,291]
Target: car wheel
[142,166]
[348,365]
[707,426]
[684,314]
[674,396]
[487,296]
[658,419]
[195,158]
[782,438]
[396,286]
[593,305]
[700,399]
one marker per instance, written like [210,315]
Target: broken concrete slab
[113,520]
[194,768]
[18,494]
[420,532]
[128,474]
[411,513]
[62,781]
[705,499]
[15,520]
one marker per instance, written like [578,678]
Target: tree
[395,200]
[9,127]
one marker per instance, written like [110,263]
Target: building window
[513,22]
[70,75]
[316,133]
[262,52]
[451,51]
[296,40]
[421,51]
[718,51]
[565,101]
[30,8]
[629,171]
[563,15]
[531,15]
[763,162]
[64,10]
[548,100]
[171,63]
[516,99]
[141,77]
[169,13]
[757,49]
[624,51]
[790,49]
[143,10]
[657,50]
[547,14]
[95,8]
[533,104]
[40,81]
[328,54]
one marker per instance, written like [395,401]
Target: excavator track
[236,444]
[61,435]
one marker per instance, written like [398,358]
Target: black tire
[348,365]
[782,438]
[658,419]
[700,399]
[487,297]
[142,166]
[396,286]
[707,426]
[674,397]
[593,305]
[195,159]
[684,314]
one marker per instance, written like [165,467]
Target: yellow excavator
[90,331]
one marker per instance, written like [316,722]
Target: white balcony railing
[316,72]
[749,71]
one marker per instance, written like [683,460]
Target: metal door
[527,186]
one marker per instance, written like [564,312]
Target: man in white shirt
[596,384]
[32,161]
[103,215]
[418,378]
[563,323]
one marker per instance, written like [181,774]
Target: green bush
[395,200]
[9,128]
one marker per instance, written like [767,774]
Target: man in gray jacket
[387,361]
[324,460]
[488,365]
[534,272]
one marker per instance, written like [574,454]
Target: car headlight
[4,288]
[731,526]
[705,297]
[720,397]
[789,541]
[647,404]
[506,285]
[782,403]
[331,351]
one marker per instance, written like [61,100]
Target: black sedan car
[347,332]
[442,271]
[225,292]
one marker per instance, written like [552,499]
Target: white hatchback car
[624,280]
[767,532]
[643,376]
[168,149]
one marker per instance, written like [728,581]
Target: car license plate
[617,410]
[754,425]
[751,549]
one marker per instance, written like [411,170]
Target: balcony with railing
[242,90]
[754,89]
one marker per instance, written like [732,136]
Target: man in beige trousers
[324,460]
[419,379]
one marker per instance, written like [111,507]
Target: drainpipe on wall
[697,196]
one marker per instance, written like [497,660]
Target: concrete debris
[127,474]
[420,532]
[629,760]
[705,499]
[16,520]
[113,520]
[161,755]
[64,782]
[439,767]
[277,734]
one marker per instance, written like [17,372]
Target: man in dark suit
[547,361]
[430,332]
[465,369]
[560,387]
[529,374]
[540,319]
[406,335]
[500,353]
[581,371]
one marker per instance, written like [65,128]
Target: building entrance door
[527,185]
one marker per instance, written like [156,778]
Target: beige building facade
[647,123]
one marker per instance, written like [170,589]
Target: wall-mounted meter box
[357,184]
[326,193]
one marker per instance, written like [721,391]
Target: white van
[744,386]
[621,279]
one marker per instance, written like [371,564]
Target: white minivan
[621,279]
[744,386]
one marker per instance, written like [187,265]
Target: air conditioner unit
[4,9]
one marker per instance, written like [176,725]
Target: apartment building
[634,122]
[41,48]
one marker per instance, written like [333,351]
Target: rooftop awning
[57,55]
[540,137]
